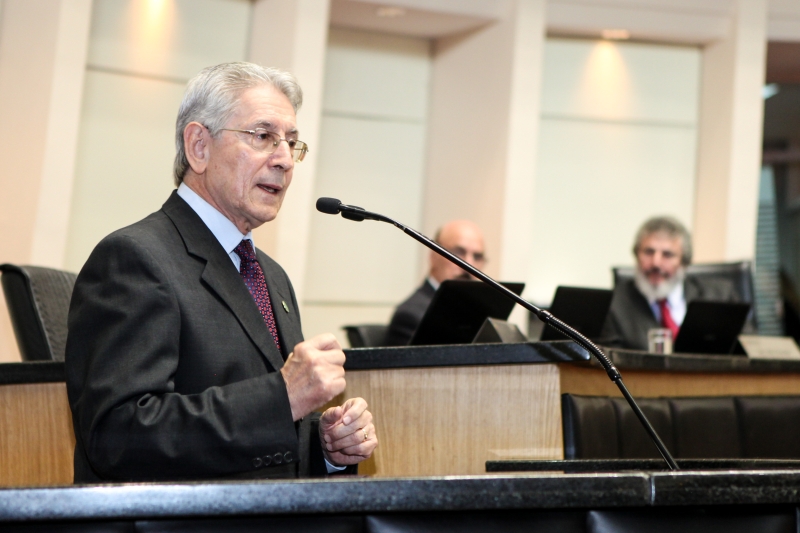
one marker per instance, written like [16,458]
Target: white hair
[212,95]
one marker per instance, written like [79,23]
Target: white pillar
[293,36]
[731,127]
[43,45]
[483,130]
[523,133]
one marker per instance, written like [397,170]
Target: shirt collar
[675,296]
[223,229]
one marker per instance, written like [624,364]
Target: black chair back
[726,427]
[367,335]
[38,302]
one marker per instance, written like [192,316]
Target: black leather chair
[366,335]
[739,274]
[38,302]
[727,427]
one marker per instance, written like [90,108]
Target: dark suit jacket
[630,316]
[171,371]
[409,314]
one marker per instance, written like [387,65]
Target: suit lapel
[221,276]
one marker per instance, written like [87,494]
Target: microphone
[329,206]
[333,206]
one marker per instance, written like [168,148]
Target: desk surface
[365,495]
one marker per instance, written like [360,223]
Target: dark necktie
[253,277]
[666,318]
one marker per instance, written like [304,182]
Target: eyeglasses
[267,141]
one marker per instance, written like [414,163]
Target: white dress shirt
[223,229]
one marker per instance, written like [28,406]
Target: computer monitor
[583,309]
[458,310]
[711,327]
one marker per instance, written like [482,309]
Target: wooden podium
[446,410]
[439,410]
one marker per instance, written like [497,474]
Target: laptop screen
[711,327]
[583,309]
[458,310]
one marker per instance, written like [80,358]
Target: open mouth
[271,190]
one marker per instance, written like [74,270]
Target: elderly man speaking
[185,357]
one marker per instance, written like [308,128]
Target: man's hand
[347,434]
[314,374]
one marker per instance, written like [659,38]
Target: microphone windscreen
[328,205]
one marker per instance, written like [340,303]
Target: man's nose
[283,156]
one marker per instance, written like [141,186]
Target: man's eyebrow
[270,126]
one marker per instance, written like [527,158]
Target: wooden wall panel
[430,421]
[652,384]
[451,420]
[36,436]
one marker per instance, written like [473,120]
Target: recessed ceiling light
[615,34]
[390,12]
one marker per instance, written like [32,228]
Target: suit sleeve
[123,352]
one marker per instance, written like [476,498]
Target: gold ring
[366,437]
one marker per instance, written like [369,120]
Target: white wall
[617,144]
[371,153]
[141,54]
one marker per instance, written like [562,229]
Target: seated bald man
[465,240]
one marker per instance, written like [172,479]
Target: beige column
[730,135]
[41,81]
[482,135]
[484,117]
[293,36]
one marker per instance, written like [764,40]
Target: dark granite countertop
[464,354]
[32,372]
[343,495]
[373,358]
[480,354]
[574,466]
[371,495]
[638,360]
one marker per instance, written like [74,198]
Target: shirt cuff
[332,469]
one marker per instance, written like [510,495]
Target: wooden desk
[36,440]
[438,410]
[651,376]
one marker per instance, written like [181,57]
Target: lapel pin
[285,307]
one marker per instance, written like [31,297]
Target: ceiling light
[390,12]
[615,34]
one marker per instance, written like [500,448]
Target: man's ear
[196,139]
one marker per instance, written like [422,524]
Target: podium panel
[36,436]
[451,420]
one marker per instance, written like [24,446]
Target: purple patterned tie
[253,277]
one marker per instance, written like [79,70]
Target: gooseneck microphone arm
[333,206]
